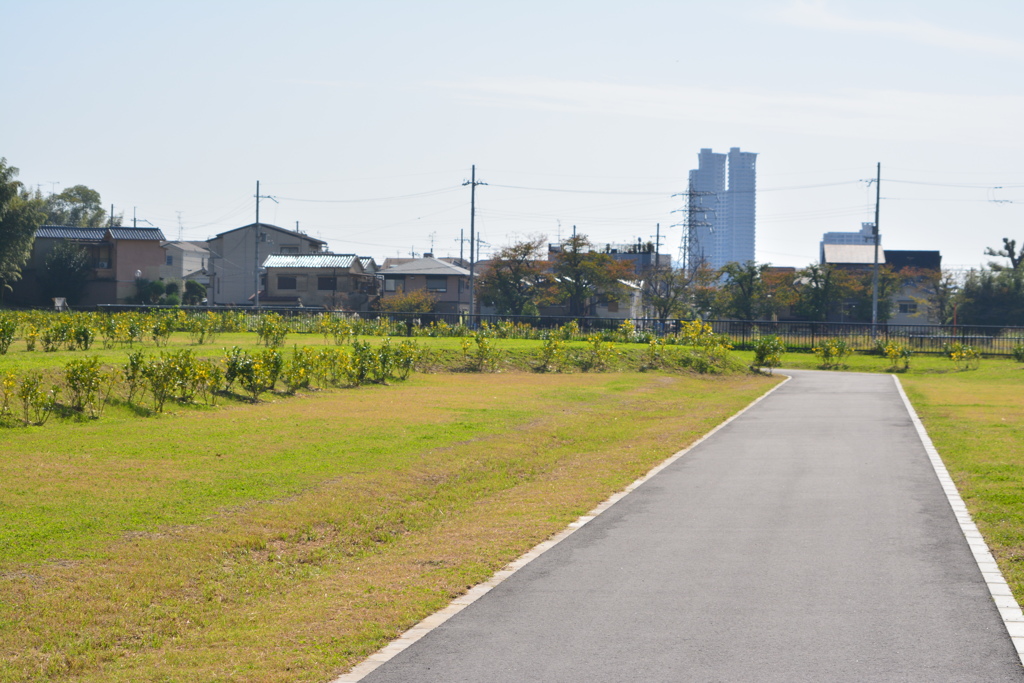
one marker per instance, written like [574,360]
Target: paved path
[808,540]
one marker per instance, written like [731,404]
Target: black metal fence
[804,336]
[798,336]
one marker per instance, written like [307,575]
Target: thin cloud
[815,14]
[860,114]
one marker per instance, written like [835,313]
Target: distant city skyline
[722,218]
[363,119]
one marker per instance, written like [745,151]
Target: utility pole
[874,232]
[657,244]
[472,239]
[256,245]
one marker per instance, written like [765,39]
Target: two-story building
[117,258]
[333,281]
[185,261]
[236,255]
[448,283]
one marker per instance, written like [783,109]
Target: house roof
[310,261]
[268,226]
[193,247]
[861,254]
[426,266]
[368,264]
[899,259]
[64,232]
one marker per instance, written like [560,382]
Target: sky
[362,120]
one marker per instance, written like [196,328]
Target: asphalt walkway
[807,540]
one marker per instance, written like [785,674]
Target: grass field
[287,540]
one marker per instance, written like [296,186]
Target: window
[391,283]
[908,307]
[327,284]
[289,250]
[437,283]
[613,306]
[169,260]
[286,282]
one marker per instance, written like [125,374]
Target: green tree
[66,270]
[584,277]
[20,216]
[672,292]
[1008,251]
[743,294]
[821,291]
[517,279]
[78,206]
[992,297]
[194,294]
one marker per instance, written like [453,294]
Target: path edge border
[1009,610]
[460,603]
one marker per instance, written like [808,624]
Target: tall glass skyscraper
[722,208]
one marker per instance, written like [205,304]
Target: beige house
[185,261]
[117,257]
[447,282]
[333,281]
[236,254]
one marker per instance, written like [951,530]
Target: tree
[517,279]
[67,269]
[676,292]
[743,295]
[992,297]
[1009,251]
[194,294]
[20,217]
[78,206]
[416,301]
[821,291]
[582,275]
[859,294]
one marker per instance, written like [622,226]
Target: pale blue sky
[183,106]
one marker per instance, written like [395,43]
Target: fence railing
[798,336]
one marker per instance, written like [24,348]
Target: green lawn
[287,540]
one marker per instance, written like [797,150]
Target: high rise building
[722,207]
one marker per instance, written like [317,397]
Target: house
[185,261]
[918,270]
[333,281]
[447,282]
[235,255]
[117,258]
[370,266]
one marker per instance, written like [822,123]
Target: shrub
[133,374]
[37,404]
[271,329]
[832,353]
[597,355]
[898,354]
[768,350]
[8,327]
[82,381]
[552,356]
[1018,353]
[963,356]
[480,353]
